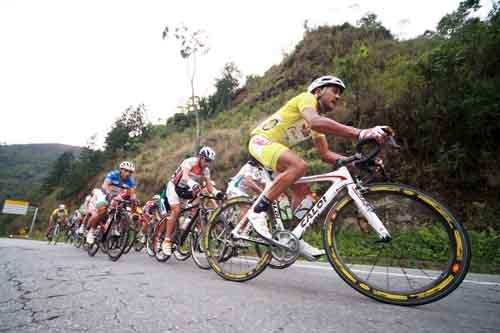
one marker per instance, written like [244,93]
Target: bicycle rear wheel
[234,260]
[427,258]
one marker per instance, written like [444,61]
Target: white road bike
[391,242]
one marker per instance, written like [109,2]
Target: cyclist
[151,209]
[250,182]
[186,184]
[83,212]
[114,183]
[58,216]
[300,119]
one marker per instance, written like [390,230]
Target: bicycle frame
[340,179]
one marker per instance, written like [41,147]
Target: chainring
[282,254]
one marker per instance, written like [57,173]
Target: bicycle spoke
[406,276]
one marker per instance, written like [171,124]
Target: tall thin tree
[191,43]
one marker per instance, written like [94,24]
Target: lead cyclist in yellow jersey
[59,216]
[298,120]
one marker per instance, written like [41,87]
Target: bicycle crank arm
[260,241]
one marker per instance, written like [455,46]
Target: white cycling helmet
[207,153]
[127,166]
[62,207]
[327,80]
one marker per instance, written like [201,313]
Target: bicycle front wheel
[427,258]
[234,260]
[117,237]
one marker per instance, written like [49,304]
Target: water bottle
[284,207]
[304,207]
[184,222]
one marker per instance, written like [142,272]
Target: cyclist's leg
[101,207]
[290,167]
[49,228]
[279,158]
[299,192]
[174,201]
[171,226]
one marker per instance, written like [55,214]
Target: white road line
[484,283]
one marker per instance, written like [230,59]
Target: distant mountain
[23,167]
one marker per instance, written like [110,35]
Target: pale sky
[69,68]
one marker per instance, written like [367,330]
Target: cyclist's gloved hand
[377,133]
[109,197]
[220,195]
[196,189]
[183,184]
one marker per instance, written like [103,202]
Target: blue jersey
[117,184]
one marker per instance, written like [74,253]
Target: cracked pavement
[46,288]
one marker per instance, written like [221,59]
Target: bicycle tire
[131,240]
[211,239]
[138,246]
[78,241]
[183,254]
[123,226]
[456,265]
[160,240]
[56,233]
[93,248]
[149,243]
[197,252]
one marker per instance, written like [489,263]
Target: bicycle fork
[368,212]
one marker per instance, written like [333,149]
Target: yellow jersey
[58,216]
[287,126]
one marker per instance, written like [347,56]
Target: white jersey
[238,185]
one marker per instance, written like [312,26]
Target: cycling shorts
[266,151]
[98,200]
[172,196]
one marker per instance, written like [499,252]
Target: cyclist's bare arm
[328,126]
[321,145]
[209,185]
[132,194]
[106,185]
[185,174]
[253,185]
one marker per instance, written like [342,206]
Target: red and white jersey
[196,172]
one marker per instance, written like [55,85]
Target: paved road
[59,288]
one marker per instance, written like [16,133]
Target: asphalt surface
[46,288]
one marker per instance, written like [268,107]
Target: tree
[369,22]
[451,23]
[191,43]
[60,172]
[129,129]
[226,88]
